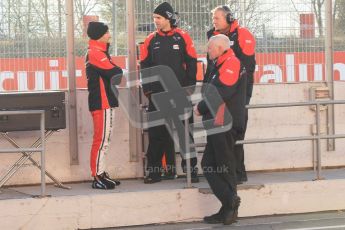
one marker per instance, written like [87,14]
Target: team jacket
[231,86]
[243,44]
[175,49]
[99,71]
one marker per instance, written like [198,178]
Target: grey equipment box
[53,103]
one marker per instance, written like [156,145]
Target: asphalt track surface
[334,220]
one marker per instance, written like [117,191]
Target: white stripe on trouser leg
[108,126]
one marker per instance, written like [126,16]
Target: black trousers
[239,150]
[219,168]
[171,159]
[160,142]
[193,160]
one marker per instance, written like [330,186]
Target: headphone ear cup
[229,18]
[173,22]
[175,19]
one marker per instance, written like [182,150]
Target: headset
[228,15]
[174,19]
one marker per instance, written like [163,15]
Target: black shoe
[216,218]
[195,179]
[231,213]
[116,182]
[236,203]
[169,176]
[100,182]
[151,180]
[229,216]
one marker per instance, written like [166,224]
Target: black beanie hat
[165,10]
[96,30]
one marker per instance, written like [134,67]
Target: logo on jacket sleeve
[229,71]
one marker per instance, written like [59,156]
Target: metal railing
[41,149]
[316,137]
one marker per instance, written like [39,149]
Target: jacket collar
[234,26]
[166,33]
[94,44]
[222,58]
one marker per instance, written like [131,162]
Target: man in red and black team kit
[99,71]
[218,162]
[169,46]
[243,44]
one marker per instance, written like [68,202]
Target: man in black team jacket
[172,47]
[218,162]
[243,44]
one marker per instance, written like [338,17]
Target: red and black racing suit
[99,71]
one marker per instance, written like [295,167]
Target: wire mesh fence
[33,35]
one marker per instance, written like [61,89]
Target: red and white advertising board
[30,74]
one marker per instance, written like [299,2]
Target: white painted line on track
[198,228]
[318,228]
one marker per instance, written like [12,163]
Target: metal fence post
[318,143]
[72,97]
[187,155]
[43,159]
[134,133]
[329,71]
[113,19]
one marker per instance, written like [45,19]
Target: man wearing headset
[172,47]
[243,44]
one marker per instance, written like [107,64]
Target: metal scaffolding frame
[34,148]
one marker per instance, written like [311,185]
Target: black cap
[165,10]
[96,30]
